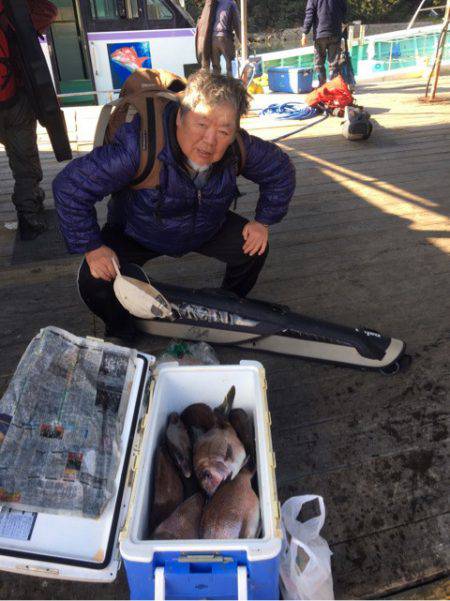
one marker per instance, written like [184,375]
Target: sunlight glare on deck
[364,187]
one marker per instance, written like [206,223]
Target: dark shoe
[31,225]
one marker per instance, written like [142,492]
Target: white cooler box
[83,549]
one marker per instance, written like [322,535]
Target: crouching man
[188,211]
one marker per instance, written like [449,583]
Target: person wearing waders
[18,123]
[325,18]
[226,21]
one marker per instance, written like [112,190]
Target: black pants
[222,45]
[240,275]
[18,134]
[330,46]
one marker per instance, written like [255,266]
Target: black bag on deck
[357,124]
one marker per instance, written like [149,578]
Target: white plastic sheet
[305,567]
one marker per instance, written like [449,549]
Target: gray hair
[212,89]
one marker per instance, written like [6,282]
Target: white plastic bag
[305,566]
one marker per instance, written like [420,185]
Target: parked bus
[95,44]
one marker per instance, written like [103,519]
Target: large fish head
[210,474]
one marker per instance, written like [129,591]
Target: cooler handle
[160,584]
[242,583]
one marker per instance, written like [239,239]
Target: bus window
[132,9]
[113,9]
[104,9]
[158,11]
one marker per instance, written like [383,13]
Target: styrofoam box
[199,569]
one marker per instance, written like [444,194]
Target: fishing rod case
[219,317]
[37,79]
[55,545]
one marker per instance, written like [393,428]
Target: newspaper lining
[200,313]
[17,525]
[61,420]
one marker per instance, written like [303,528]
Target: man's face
[204,134]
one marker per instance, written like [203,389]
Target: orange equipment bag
[334,94]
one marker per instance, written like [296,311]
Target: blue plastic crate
[290,79]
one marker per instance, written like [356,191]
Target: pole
[440,51]
[351,36]
[244,37]
[413,20]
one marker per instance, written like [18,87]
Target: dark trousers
[330,46]
[241,270]
[18,135]
[222,45]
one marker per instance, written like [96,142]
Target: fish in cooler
[198,418]
[243,426]
[179,444]
[233,511]
[218,456]
[167,487]
[218,453]
[213,452]
[184,522]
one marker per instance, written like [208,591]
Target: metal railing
[91,93]
[421,9]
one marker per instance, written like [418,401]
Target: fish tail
[227,403]
[141,60]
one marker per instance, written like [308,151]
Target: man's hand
[303,40]
[255,235]
[100,263]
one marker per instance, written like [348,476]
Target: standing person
[18,123]
[227,24]
[326,18]
[203,33]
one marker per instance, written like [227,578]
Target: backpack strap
[240,151]
[150,104]
[151,109]
[103,121]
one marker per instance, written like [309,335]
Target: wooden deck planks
[366,241]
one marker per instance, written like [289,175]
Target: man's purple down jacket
[174,218]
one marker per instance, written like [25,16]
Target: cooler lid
[70,547]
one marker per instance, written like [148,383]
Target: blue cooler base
[290,79]
[203,580]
